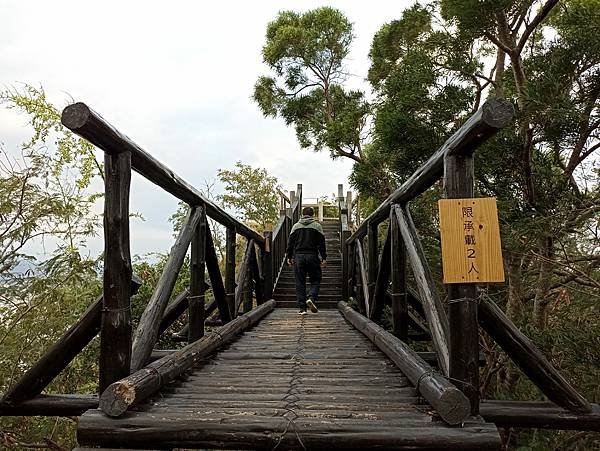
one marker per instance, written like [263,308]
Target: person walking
[307,254]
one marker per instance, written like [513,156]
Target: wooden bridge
[267,378]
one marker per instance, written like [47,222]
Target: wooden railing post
[372,259]
[115,329]
[398,263]
[266,262]
[230,270]
[462,308]
[197,280]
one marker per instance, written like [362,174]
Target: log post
[230,270]
[432,304]
[398,263]
[243,274]
[349,282]
[383,279]
[266,261]
[216,281]
[197,279]
[256,278]
[362,285]
[146,333]
[115,329]
[463,340]
[372,255]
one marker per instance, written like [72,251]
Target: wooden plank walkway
[291,382]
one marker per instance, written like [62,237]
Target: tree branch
[541,15]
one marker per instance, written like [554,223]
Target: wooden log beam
[383,278]
[174,310]
[266,261]
[529,358]
[463,339]
[242,275]
[59,355]
[364,285]
[216,281]
[397,257]
[449,402]
[196,298]
[372,254]
[493,115]
[432,304]
[539,415]
[88,124]
[115,327]
[121,395]
[256,278]
[146,333]
[51,405]
[230,244]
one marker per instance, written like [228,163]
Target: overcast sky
[177,78]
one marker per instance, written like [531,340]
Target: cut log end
[453,407]
[117,398]
[75,116]
[497,113]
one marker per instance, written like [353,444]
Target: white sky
[177,78]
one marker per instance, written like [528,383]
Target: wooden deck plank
[294,382]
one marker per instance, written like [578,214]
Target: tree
[253,193]
[44,188]
[306,52]
[45,193]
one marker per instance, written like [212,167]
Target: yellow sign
[471,249]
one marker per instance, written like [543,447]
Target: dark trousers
[311,265]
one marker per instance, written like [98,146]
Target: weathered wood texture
[372,254]
[362,275]
[197,279]
[432,305]
[230,245]
[242,276]
[174,310]
[383,279]
[51,405]
[59,355]
[323,385]
[493,115]
[463,339]
[115,328]
[529,358]
[88,124]
[216,281]
[448,401]
[539,415]
[146,333]
[121,395]
[400,317]
[266,262]
[257,278]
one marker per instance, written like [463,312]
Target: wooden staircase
[330,293]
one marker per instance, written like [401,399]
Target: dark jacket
[307,238]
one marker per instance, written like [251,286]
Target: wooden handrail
[85,122]
[493,115]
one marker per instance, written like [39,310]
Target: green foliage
[44,188]
[252,192]
[306,53]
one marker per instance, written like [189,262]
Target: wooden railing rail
[85,122]
[454,332]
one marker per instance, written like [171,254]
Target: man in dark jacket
[306,252]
